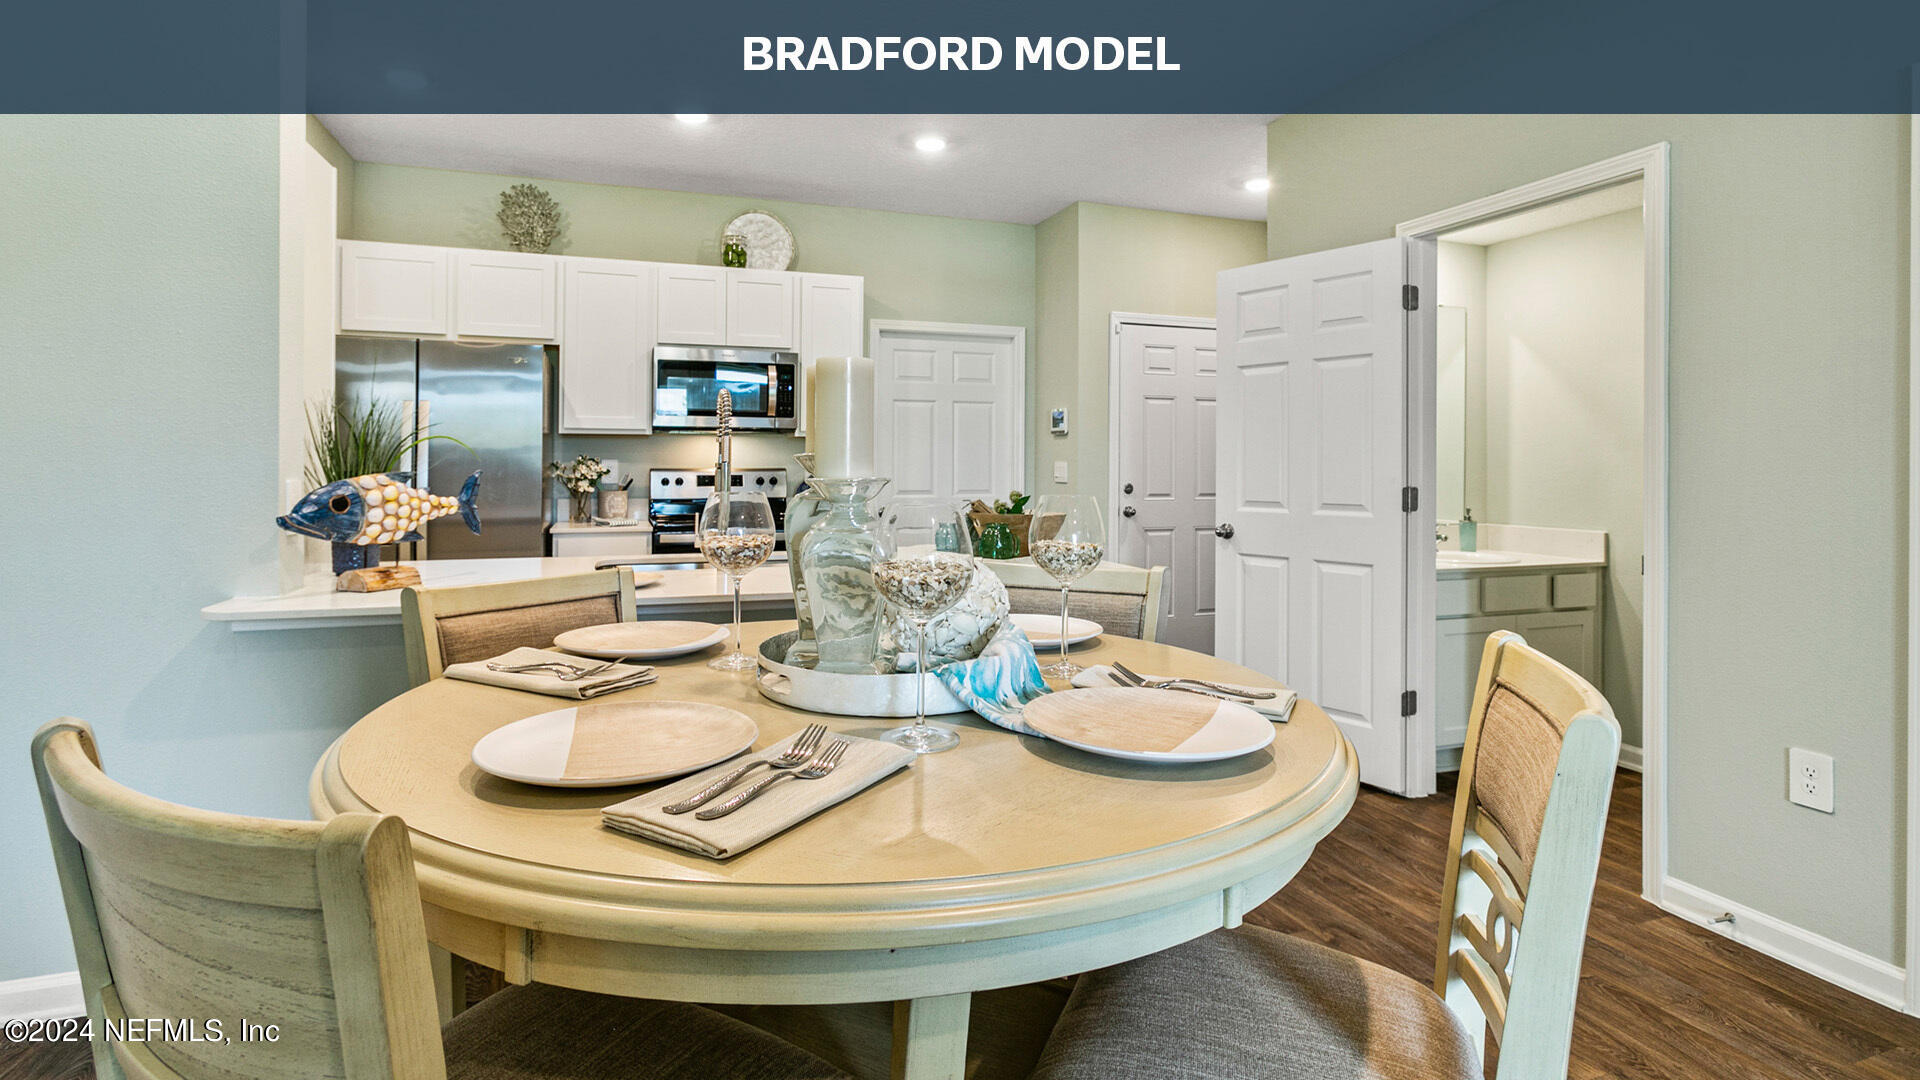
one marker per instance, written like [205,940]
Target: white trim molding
[1649,165]
[1633,759]
[1841,965]
[1913,555]
[43,997]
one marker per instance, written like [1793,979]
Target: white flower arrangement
[581,475]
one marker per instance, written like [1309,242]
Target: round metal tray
[841,694]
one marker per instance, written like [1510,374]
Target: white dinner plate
[655,640]
[614,742]
[1137,724]
[1045,629]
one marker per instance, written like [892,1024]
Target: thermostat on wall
[1059,426]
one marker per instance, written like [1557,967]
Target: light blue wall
[139,296]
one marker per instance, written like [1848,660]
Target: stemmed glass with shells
[1067,539]
[922,580]
[736,535]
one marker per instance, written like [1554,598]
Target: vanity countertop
[1509,561]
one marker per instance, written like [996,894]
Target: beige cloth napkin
[1276,709]
[779,808]
[619,677]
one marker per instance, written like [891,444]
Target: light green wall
[141,275]
[322,140]
[916,266]
[1788,438]
[1565,378]
[1109,259]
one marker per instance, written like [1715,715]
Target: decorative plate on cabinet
[769,241]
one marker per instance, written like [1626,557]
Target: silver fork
[828,760]
[795,755]
[1174,684]
[562,671]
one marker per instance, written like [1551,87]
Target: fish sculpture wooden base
[380,508]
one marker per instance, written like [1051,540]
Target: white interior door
[1164,449]
[948,420]
[1312,574]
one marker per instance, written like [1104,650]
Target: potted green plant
[346,439]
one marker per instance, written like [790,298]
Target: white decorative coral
[530,217]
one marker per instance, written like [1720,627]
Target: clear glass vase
[837,555]
[803,510]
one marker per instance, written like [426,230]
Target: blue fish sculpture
[381,508]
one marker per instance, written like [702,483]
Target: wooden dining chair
[1251,1004]
[474,622]
[1124,600]
[190,917]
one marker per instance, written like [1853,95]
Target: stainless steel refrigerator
[490,397]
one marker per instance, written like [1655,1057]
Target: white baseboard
[1841,965]
[1633,759]
[42,997]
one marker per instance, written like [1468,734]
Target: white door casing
[1164,449]
[1312,582]
[949,409]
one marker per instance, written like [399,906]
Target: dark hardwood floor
[1660,999]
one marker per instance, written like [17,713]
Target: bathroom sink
[1455,560]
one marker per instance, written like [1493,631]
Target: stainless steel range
[675,496]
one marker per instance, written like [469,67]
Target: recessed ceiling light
[1258,183]
[692,119]
[929,144]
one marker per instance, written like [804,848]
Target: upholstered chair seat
[1251,1004]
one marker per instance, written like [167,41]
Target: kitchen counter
[766,592]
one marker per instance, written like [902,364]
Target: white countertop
[317,605]
[1522,560]
[640,525]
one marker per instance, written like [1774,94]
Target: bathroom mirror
[1450,430]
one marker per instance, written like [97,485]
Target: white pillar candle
[807,411]
[842,425]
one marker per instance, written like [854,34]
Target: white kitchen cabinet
[832,323]
[393,288]
[606,352]
[506,294]
[762,308]
[692,306]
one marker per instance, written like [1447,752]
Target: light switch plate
[1810,779]
[1059,472]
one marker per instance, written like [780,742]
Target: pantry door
[1317,510]
[949,409]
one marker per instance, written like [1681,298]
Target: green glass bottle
[733,251]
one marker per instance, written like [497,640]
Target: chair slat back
[463,623]
[1535,781]
[1124,600]
[192,915]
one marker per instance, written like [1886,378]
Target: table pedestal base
[930,1037]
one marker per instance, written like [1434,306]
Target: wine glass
[736,535]
[1067,539]
[922,577]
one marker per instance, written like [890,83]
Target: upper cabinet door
[761,309]
[692,305]
[606,355]
[832,323]
[507,294]
[393,288]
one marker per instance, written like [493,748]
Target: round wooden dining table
[1007,860]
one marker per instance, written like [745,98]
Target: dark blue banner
[869,56]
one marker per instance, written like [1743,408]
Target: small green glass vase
[997,542]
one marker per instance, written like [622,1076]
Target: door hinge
[1410,297]
[1409,702]
[1409,499]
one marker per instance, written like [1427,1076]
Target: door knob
[1224,532]
[1128,511]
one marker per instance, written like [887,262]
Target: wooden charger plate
[641,640]
[641,581]
[1137,724]
[614,742]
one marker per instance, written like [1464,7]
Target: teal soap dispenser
[1469,540]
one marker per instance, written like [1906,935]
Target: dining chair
[1252,1004]
[315,928]
[1124,600]
[461,623]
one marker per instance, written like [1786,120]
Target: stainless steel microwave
[687,380]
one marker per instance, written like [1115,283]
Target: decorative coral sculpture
[530,217]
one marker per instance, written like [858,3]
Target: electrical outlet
[1059,472]
[1810,779]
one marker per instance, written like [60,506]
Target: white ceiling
[1580,208]
[998,168]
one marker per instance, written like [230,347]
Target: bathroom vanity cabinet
[1557,609]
